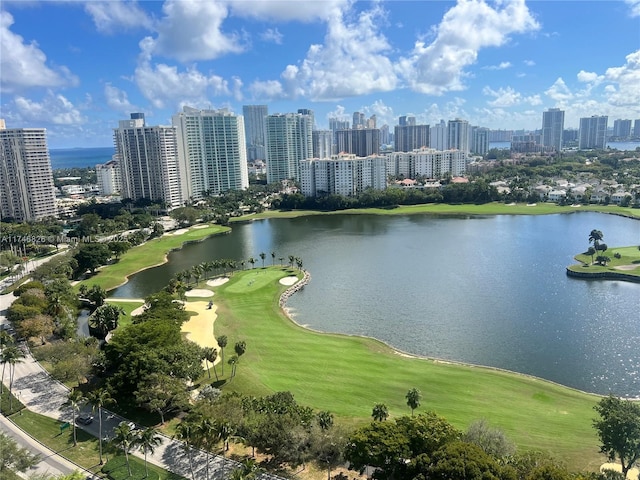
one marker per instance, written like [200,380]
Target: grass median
[347,375]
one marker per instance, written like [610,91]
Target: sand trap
[199,292]
[137,311]
[511,204]
[576,205]
[216,282]
[199,328]
[626,267]
[288,280]
[531,204]
[181,231]
[632,474]
[201,226]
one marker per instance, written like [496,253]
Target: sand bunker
[632,474]
[137,311]
[181,231]
[288,280]
[216,282]
[201,226]
[531,204]
[199,328]
[626,267]
[199,292]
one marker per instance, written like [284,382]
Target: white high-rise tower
[211,149]
[288,142]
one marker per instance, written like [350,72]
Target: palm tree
[240,348]
[184,432]
[210,355]
[380,412]
[223,434]
[196,271]
[5,341]
[273,258]
[206,432]
[252,261]
[233,361]
[98,399]
[413,399]
[148,439]
[594,237]
[291,260]
[11,355]
[75,400]
[591,251]
[125,438]
[222,342]
[262,257]
[299,263]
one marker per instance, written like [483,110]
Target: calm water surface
[489,291]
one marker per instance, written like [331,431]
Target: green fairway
[348,375]
[151,253]
[493,208]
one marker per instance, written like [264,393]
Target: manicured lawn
[85,454]
[493,208]
[128,307]
[629,257]
[348,375]
[149,254]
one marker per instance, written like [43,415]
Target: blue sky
[78,67]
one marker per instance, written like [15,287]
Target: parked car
[84,419]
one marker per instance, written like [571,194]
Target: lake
[483,290]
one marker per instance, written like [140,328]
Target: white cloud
[266,89]
[23,65]
[634,7]
[627,78]
[272,35]
[589,77]
[116,15]
[192,30]
[53,108]
[351,61]
[465,29]
[529,63]
[164,85]
[559,91]
[118,100]
[503,97]
[500,66]
[288,10]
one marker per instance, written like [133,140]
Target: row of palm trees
[224,265]
[10,354]
[125,435]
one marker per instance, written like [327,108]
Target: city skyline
[77,68]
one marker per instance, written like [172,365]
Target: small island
[601,262]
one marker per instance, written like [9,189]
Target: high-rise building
[26,180]
[108,178]
[358,120]
[310,114]
[362,142]
[410,136]
[593,132]
[438,138]
[148,159]
[336,124]
[622,129]
[427,162]
[405,121]
[385,136]
[254,116]
[552,128]
[289,140]
[211,149]
[344,174]
[322,142]
[459,135]
[636,128]
[479,140]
